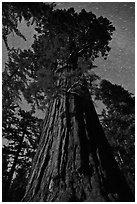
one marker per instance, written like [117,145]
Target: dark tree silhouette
[118,120]
[15,12]
[74,161]
[21,131]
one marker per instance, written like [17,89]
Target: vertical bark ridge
[43,150]
[74,161]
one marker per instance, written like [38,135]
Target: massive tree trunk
[74,161]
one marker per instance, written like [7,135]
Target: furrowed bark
[74,161]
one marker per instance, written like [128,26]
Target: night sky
[119,68]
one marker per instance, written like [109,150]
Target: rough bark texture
[74,161]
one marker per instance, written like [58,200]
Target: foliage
[119,125]
[20,131]
[65,47]
[14,12]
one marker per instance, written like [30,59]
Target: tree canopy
[65,39]
[65,47]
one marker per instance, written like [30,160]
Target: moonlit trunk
[74,161]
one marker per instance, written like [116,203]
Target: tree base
[74,161]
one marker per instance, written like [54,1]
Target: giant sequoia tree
[73,161]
